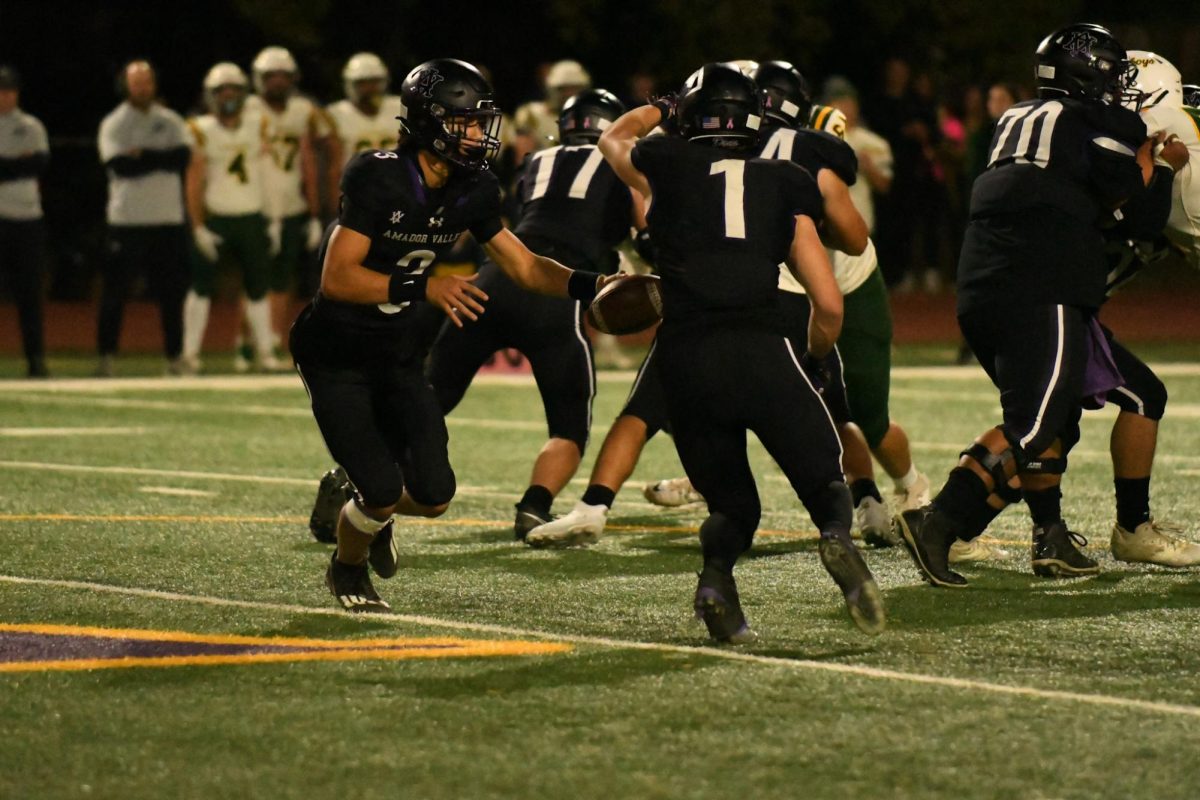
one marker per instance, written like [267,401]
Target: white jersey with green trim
[1183,226]
[233,178]
[283,182]
[359,132]
[849,271]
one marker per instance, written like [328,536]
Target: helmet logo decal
[427,80]
[1079,44]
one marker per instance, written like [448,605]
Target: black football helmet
[445,98]
[1083,61]
[787,98]
[585,116]
[720,106]
[1191,95]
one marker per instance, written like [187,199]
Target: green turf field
[181,507]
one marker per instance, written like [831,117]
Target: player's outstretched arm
[618,140]
[538,273]
[809,263]
[845,228]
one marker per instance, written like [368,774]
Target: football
[628,304]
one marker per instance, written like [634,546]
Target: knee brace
[360,521]
[993,463]
[1044,466]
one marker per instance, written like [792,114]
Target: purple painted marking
[15,646]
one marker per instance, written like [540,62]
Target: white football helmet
[746,65]
[273,59]
[1157,82]
[221,75]
[568,73]
[363,67]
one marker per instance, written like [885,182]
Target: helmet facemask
[465,137]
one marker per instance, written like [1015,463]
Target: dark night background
[70,52]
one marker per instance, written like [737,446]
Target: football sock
[1133,502]
[258,315]
[597,495]
[1045,506]
[355,530]
[908,479]
[722,542]
[195,320]
[962,496]
[978,519]
[537,499]
[831,510]
[864,487]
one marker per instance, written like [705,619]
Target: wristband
[404,288]
[665,106]
[582,285]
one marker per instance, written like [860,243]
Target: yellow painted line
[320,649]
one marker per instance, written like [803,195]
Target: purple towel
[1101,375]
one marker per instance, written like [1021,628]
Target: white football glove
[206,242]
[275,236]
[314,233]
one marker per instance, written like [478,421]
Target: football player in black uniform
[722,221]
[359,345]
[1031,277]
[834,165]
[576,210]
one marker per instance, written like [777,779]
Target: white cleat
[974,550]
[581,527]
[672,493]
[1150,543]
[915,496]
[873,521]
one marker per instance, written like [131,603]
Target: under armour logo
[426,80]
[397,216]
[435,222]
[1079,44]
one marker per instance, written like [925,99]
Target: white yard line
[625,644]
[23,433]
[472,491]
[171,490]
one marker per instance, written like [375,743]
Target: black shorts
[721,383]
[548,330]
[1038,357]
[384,427]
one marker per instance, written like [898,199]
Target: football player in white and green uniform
[294,127]
[225,203]
[366,118]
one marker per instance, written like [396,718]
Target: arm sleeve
[359,207]
[1114,174]
[486,222]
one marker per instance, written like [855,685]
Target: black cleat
[1055,554]
[526,520]
[864,601]
[927,536]
[383,557]
[351,585]
[334,491]
[717,604]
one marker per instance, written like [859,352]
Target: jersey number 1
[734,171]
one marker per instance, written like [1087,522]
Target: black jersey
[570,196]
[1056,170]
[813,150]
[722,223]
[411,226]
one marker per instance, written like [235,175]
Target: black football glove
[818,371]
[645,247]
